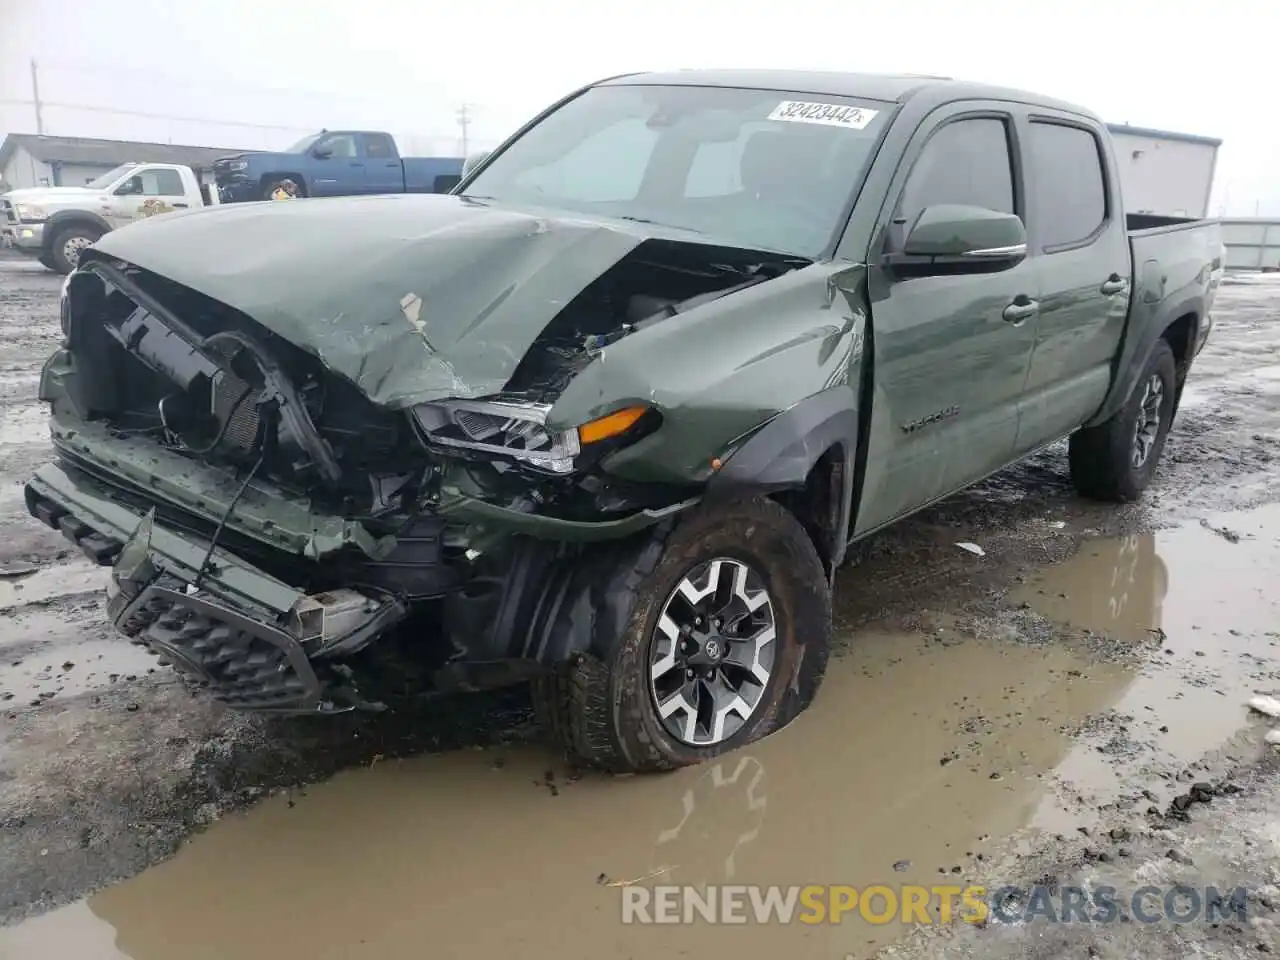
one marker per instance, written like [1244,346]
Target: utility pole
[464,124]
[35,96]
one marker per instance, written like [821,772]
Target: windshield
[750,167]
[305,144]
[110,177]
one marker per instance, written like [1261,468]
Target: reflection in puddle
[72,933]
[1201,599]
[919,749]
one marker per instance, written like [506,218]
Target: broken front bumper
[254,641]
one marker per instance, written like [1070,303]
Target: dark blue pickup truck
[334,163]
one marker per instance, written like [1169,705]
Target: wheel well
[1180,336]
[59,225]
[817,504]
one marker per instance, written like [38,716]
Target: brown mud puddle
[921,754]
[1202,599]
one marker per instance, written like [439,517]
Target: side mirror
[473,161]
[129,188]
[322,151]
[948,238]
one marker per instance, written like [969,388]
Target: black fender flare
[64,218]
[782,453]
[1132,360]
[549,602]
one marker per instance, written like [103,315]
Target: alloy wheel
[712,652]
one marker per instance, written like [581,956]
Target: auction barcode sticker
[827,114]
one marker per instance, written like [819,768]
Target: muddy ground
[1068,708]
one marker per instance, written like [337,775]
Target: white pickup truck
[53,224]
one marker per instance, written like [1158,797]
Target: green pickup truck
[609,417]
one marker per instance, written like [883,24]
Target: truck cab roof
[889,88]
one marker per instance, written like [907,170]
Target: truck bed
[1173,284]
[1170,255]
[430,174]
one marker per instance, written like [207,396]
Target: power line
[91,108]
[87,66]
[220,84]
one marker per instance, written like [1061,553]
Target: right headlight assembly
[518,430]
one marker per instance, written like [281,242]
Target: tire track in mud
[29,333]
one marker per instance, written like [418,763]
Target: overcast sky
[243,73]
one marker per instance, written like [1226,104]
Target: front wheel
[67,245]
[1116,459]
[286,186]
[727,643]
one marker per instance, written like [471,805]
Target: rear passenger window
[378,145]
[965,162]
[1071,193]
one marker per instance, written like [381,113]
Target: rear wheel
[67,245]
[1116,459]
[727,643]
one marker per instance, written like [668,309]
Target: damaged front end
[274,497]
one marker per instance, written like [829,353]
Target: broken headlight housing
[517,430]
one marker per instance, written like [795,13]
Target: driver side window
[343,146]
[964,162]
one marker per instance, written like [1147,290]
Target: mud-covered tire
[604,713]
[75,236]
[1102,457]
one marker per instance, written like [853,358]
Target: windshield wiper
[659,223]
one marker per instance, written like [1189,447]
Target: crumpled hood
[411,297]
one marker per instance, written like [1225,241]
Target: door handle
[1022,308]
[181,204]
[1114,284]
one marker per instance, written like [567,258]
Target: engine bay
[656,281]
[209,383]
[204,380]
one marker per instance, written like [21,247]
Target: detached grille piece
[244,664]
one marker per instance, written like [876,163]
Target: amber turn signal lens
[610,425]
